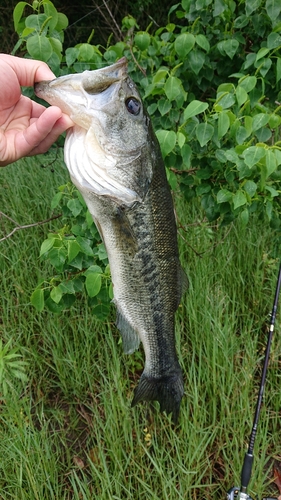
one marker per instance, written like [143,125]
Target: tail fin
[168,391]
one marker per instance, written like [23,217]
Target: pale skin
[26,127]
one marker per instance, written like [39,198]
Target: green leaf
[243,169]
[241,95]
[239,199]
[160,75]
[250,60]
[73,250]
[57,46]
[173,87]
[250,187]
[204,173]
[273,9]
[37,299]
[62,22]
[273,192]
[39,47]
[263,134]
[35,21]
[93,269]
[220,155]
[241,21]
[56,294]
[204,132]
[142,40]
[270,161]
[78,261]
[196,59]
[17,13]
[231,155]
[219,7]
[71,55]
[186,153]
[253,155]
[248,122]
[229,46]
[56,200]
[89,219]
[68,286]
[262,53]
[277,156]
[152,108]
[85,246]
[57,257]
[102,254]
[241,135]
[224,195]
[52,13]
[251,6]
[75,207]
[53,307]
[274,121]
[225,99]
[265,67]
[273,41]
[55,60]
[167,140]
[86,52]
[47,245]
[93,284]
[183,44]
[203,42]
[248,83]
[223,124]
[194,108]
[181,139]
[259,120]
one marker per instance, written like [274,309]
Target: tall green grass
[68,432]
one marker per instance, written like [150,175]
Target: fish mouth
[74,92]
[93,82]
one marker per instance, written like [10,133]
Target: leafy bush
[79,258]
[211,80]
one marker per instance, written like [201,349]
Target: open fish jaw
[114,160]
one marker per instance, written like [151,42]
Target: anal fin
[130,338]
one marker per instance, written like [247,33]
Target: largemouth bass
[114,160]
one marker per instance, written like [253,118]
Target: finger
[36,109]
[60,126]
[28,71]
[51,123]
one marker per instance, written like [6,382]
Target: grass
[68,432]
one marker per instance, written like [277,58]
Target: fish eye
[133,105]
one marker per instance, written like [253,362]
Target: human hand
[26,127]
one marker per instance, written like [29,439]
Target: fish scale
[114,159]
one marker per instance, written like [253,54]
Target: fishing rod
[241,493]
